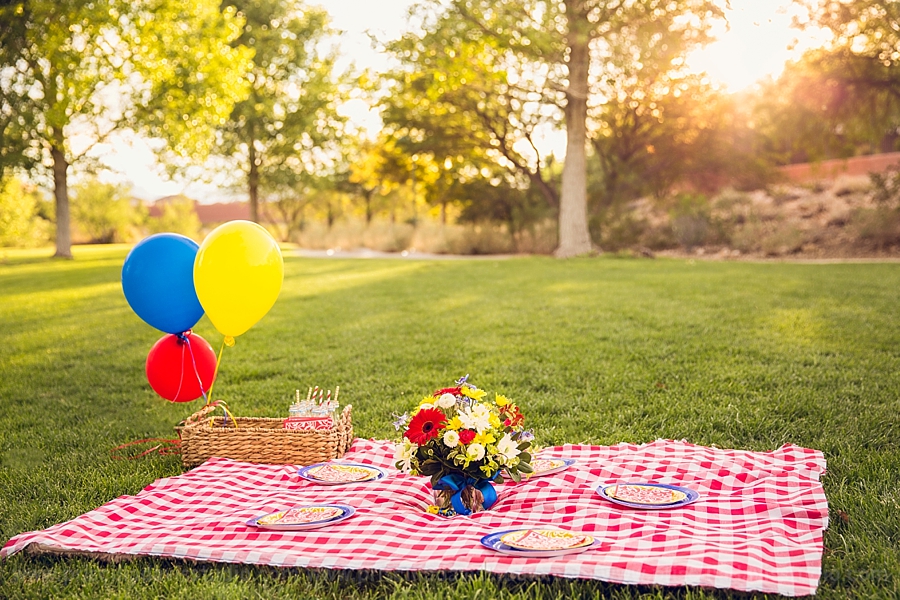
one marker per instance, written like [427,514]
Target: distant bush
[886,186]
[878,227]
[104,212]
[848,186]
[23,223]
[690,220]
[618,228]
[428,236]
[178,216]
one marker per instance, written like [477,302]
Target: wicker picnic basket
[260,440]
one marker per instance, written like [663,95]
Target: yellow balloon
[238,274]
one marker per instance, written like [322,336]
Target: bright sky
[757,43]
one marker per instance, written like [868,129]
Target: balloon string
[181,381]
[196,372]
[164,447]
[228,413]
[215,373]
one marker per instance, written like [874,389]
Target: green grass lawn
[602,350]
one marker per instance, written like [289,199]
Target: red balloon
[177,367]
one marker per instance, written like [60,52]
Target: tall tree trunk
[253,184]
[574,238]
[61,192]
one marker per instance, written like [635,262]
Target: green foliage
[653,123]
[617,228]
[20,223]
[739,355]
[879,227]
[478,106]
[178,216]
[886,187]
[107,65]
[690,219]
[284,130]
[509,73]
[105,212]
[843,98]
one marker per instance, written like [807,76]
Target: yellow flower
[473,393]
[484,438]
[494,420]
[433,510]
[454,424]
[502,400]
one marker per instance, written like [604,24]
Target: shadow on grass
[147,578]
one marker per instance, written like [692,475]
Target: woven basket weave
[261,440]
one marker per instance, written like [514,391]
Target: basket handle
[199,415]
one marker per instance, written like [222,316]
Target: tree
[92,67]
[290,117]
[462,96]
[525,57]
[14,102]
[856,75]
[367,173]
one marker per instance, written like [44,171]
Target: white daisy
[475,452]
[445,401]
[508,449]
[451,439]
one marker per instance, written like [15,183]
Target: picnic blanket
[757,526]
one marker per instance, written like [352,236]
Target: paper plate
[340,473]
[545,540]
[650,496]
[549,466]
[495,542]
[310,516]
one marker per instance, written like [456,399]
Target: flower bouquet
[464,442]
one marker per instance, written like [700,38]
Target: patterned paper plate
[340,473]
[303,517]
[545,539]
[494,541]
[549,466]
[652,496]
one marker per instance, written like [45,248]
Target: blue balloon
[158,281]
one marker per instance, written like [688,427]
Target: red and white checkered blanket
[757,526]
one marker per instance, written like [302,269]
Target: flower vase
[458,495]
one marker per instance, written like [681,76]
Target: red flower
[426,425]
[455,391]
[466,435]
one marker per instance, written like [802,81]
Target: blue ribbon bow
[457,483]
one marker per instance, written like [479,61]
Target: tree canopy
[99,66]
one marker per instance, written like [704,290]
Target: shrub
[21,224]
[849,186]
[618,229]
[178,216]
[104,212]
[782,239]
[690,220]
[886,186]
[878,227]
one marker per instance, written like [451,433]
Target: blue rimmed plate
[648,496]
[298,518]
[335,473]
[494,541]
